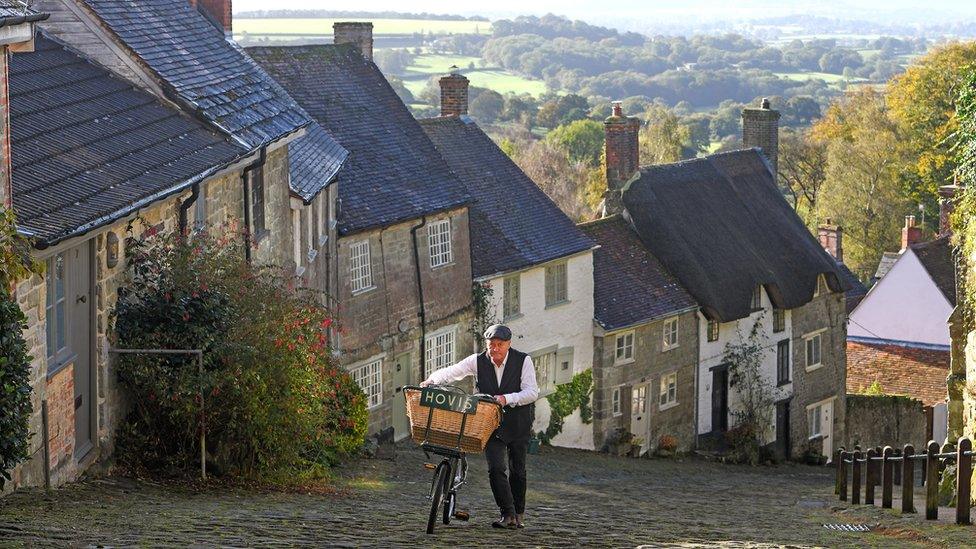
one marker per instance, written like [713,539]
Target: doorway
[401,377]
[783,429]
[80,311]
[639,413]
[720,399]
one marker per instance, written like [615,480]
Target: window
[370,380]
[757,298]
[713,330]
[638,401]
[564,358]
[556,291]
[296,229]
[624,348]
[814,420]
[323,226]
[783,362]
[257,202]
[360,273]
[512,298]
[440,350]
[545,372]
[670,333]
[615,402]
[813,351]
[820,287]
[779,320]
[669,390]
[439,243]
[54,308]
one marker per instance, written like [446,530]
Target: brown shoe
[505,522]
[518,520]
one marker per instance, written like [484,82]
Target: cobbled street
[576,498]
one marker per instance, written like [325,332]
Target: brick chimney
[219,11]
[760,128]
[832,239]
[454,93]
[357,33]
[946,206]
[623,158]
[910,234]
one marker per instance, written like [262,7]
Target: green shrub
[274,398]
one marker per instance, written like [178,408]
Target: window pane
[439,243]
[556,290]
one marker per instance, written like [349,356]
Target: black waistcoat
[517,420]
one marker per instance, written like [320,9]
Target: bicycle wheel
[437,494]
[449,502]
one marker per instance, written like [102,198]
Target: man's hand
[425,383]
[501,399]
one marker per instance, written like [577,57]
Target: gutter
[30,18]
[420,295]
[246,186]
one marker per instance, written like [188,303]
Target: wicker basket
[445,425]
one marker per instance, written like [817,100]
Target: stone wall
[885,421]
[650,362]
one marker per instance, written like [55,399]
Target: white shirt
[469,367]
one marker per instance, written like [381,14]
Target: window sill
[299,271]
[558,304]
[312,254]
[441,266]
[669,348]
[261,235]
[363,291]
[510,318]
[667,406]
[619,414]
[814,367]
[784,383]
[60,365]
[623,362]
[323,239]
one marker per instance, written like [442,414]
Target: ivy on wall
[567,398]
[964,216]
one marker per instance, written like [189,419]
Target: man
[509,376]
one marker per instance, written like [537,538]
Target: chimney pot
[910,234]
[454,93]
[357,33]
[623,156]
[831,239]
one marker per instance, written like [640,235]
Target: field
[321,27]
[502,81]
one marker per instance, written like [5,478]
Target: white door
[639,414]
[827,422]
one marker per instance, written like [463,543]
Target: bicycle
[442,432]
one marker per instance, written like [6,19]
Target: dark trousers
[508,489]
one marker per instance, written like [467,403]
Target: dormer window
[757,298]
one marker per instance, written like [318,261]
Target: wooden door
[720,399]
[827,428]
[401,377]
[783,429]
[640,413]
[79,304]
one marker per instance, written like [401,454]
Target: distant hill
[333,14]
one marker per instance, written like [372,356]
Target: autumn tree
[565,182]
[664,138]
[582,140]
[862,188]
[802,171]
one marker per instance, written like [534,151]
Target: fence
[889,467]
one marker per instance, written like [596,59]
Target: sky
[596,11]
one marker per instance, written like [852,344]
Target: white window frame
[440,349]
[669,334]
[56,309]
[439,243]
[615,408]
[545,364]
[708,330]
[817,288]
[627,348]
[309,215]
[296,229]
[369,377]
[323,224]
[360,267]
[638,400]
[668,397]
[556,284]
[815,420]
[815,339]
[512,306]
[756,302]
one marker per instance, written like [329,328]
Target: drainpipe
[420,295]
[247,200]
[185,206]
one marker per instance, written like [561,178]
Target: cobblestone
[575,498]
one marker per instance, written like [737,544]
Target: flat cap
[498,331]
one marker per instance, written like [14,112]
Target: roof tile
[899,370]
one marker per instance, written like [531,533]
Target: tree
[753,410]
[565,182]
[664,139]
[582,140]
[863,187]
[401,90]
[802,170]
[487,106]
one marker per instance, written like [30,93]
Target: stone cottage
[537,263]
[404,256]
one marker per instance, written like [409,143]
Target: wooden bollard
[896,452]
[869,477]
[932,481]
[887,478]
[908,480]
[964,471]
[856,479]
[843,475]
[839,464]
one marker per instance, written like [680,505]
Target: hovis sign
[447,400]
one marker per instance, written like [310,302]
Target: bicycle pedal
[430,466]
[462,515]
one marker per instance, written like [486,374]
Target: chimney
[623,158]
[832,239]
[910,234]
[356,33]
[219,11]
[760,128]
[946,206]
[454,93]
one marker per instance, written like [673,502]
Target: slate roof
[887,261]
[88,148]
[505,236]
[899,370]
[393,172]
[856,290]
[721,227]
[314,159]
[201,67]
[630,286]
[936,257]
[11,12]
